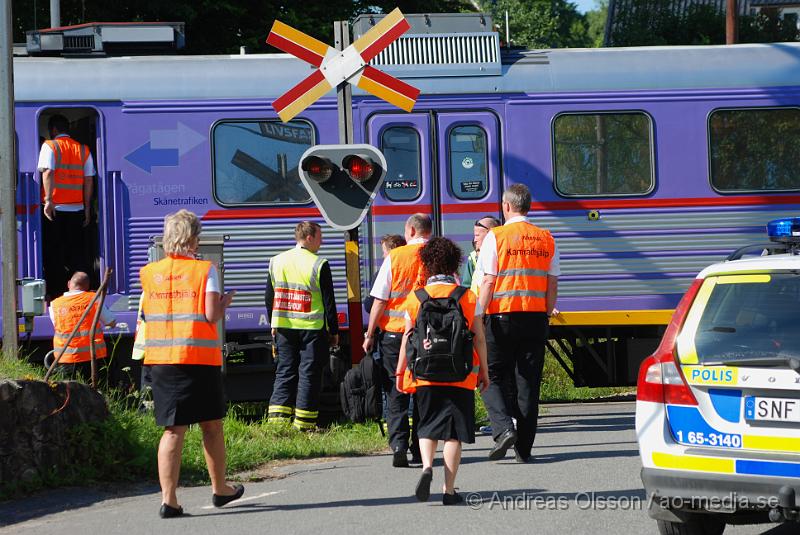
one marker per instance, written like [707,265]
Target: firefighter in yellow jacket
[301,304]
[65,313]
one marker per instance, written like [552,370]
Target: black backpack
[360,391]
[440,348]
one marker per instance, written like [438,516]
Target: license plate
[772,409]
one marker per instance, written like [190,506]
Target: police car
[718,403]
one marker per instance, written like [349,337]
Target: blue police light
[784,230]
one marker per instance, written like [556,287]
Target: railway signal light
[317,168]
[343,181]
[359,167]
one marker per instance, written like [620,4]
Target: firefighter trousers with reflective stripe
[298,377]
[515,354]
[401,433]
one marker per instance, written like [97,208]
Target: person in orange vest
[399,275]
[68,171]
[446,409]
[65,312]
[181,304]
[520,265]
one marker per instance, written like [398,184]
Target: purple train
[646,164]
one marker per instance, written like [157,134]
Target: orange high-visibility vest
[67,310]
[406,277]
[467,303]
[524,254]
[177,331]
[68,175]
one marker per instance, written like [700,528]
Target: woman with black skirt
[181,304]
[446,410]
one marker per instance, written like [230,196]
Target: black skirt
[446,413]
[187,393]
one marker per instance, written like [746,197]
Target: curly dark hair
[440,256]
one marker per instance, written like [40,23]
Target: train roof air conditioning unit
[439,44]
[107,39]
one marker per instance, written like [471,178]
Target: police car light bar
[785,230]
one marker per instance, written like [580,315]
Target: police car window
[469,174]
[603,154]
[255,162]
[755,149]
[755,318]
[401,147]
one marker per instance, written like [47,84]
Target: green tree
[664,22]
[596,22]
[540,23]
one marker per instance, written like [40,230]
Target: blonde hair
[181,229]
[306,229]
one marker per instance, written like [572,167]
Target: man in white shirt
[400,274]
[520,263]
[67,171]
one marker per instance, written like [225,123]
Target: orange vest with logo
[70,157]
[406,277]
[67,310]
[174,297]
[524,254]
[467,303]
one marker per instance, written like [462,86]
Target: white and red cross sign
[338,66]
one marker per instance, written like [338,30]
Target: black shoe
[522,459]
[219,501]
[452,499]
[423,491]
[400,459]
[170,512]
[501,445]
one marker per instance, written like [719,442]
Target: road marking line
[240,500]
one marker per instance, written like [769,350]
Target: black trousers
[64,250]
[401,435]
[298,377]
[82,371]
[515,345]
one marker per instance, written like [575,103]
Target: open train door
[84,127]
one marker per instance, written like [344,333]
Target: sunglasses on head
[479,224]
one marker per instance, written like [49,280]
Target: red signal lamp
[317,168]
[359,168]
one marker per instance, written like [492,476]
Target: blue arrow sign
[165,148]
[146,158]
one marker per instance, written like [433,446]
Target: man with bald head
[65,313]
[400,274]
[470,277]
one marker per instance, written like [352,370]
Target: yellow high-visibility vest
[298,300]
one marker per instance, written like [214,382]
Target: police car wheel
[702,525]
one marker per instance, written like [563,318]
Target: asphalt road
[585,479]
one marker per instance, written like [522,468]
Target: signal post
[344,179]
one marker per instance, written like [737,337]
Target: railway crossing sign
[335,67]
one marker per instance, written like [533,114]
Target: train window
[255,162]
[603,154]
[469,173]
[755,149]
[401,147]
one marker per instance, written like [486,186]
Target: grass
[557,386]
[124,446]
